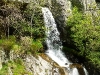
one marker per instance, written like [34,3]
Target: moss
[54,64]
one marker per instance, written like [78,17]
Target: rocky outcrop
[89,4]
[36,65]
[42,65]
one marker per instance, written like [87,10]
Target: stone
[79,67]
[64,6]
[89,4]
[42,66]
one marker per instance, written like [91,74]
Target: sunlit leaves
[85,31]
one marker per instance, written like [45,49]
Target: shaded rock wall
[40,65]
[61,9]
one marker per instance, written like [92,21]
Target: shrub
[25,44]
[30,45]
[36,46]
[17,67]
[7,44]
[85,34]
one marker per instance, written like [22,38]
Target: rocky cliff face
[42,65]
[85,5]
[61,9]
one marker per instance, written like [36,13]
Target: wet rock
[79,67]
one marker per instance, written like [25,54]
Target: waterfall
[54,44]
[53,41]
[86,73]
[74,72]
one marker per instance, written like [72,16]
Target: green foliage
[95,58]
[34,16]
[85,33]
[7,43]
[4,70]
[20,19]
[25,28]
[29,45]
[17,67]
[36,47]
[22,28]
[25,44]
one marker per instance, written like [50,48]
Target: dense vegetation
[84,30]
[21,32]
[20,25]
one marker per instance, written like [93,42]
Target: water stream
[54,44]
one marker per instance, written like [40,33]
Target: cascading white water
[86,73]
[53,42]
[74,72]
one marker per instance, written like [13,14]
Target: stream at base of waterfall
[54,44]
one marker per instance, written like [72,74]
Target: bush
[7,44]
[35,18]
[16,48]
[25,44]
[36,47]
[17,67]
[28,45]
[85,34]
